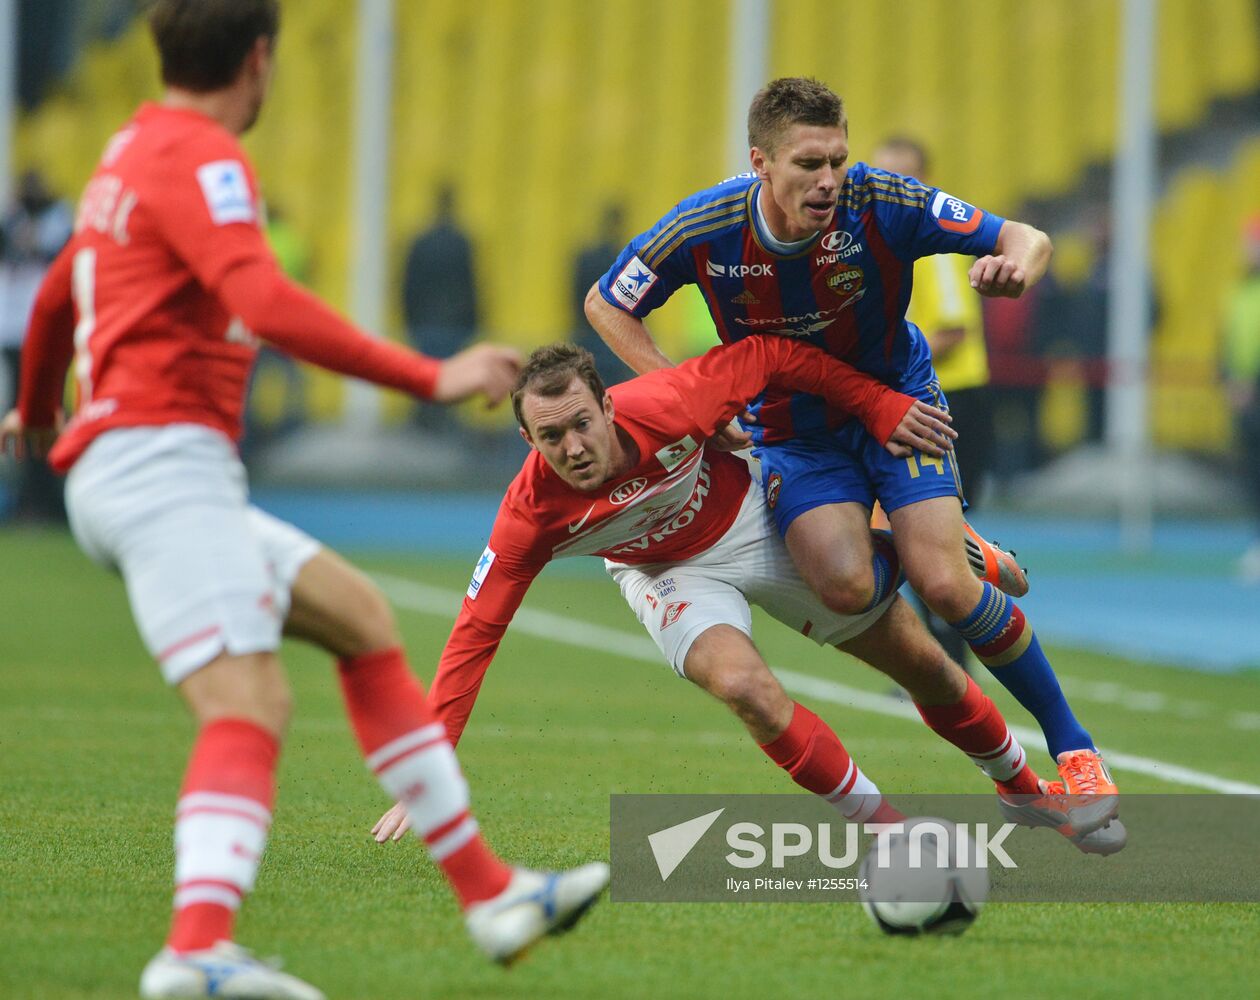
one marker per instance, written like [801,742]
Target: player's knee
[275,705]
[751,691]
[373,626]
[946,593]
[849,594]
[251,687]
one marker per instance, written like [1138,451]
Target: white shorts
[206,573]
[677,602]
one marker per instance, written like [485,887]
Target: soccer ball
[923,890]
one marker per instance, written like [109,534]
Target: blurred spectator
[588,267]
[1072,323]
[439,288]
[1016,375]
[1241,360]
[294,256]
[33,232]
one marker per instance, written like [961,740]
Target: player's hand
[483,369]
[998,277]
[924,428]
[23,440]
[393,825]
[732,437]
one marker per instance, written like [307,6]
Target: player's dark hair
[202,43]
[905,144]
[788,101]
[550,370]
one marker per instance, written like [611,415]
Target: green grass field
[93,746]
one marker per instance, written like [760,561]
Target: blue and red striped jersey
[846,291]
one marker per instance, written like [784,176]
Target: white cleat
[533,905]
[226,970]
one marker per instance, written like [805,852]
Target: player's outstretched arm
[630,340]
[35,422]
[483,369]
[718,384]
[1018,262]
[627,335]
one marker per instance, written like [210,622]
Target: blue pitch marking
[1179,607]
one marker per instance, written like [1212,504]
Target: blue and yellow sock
[1003,641]
[885,565]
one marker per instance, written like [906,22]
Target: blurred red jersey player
[159,298]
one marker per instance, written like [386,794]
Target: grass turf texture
[93,747]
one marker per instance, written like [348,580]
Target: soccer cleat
[1050,809]
[1092,797]
[533,905]
[226,970]
[993,564]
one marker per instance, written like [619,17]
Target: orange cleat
[1052,809]
[994,565]
[1092,797]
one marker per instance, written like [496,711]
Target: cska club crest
[846,281]
[772,489]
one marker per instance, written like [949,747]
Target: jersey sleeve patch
[226,190]
[633,282]
[481,571]
[954,215]
[673,454]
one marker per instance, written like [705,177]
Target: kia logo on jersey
[837,241]
[628,491]
[954,215]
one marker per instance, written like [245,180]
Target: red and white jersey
[172,206]
[162,288]
[677,500]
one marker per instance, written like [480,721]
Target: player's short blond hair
[788,101]
[550,370]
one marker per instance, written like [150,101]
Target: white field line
[425,599]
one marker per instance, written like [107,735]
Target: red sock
[221,827]
[976,727]
[811,752]
[407,749]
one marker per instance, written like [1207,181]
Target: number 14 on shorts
[919,463]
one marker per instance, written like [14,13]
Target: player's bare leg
[507,910]
[831,547]
[724,662]
[950,702]
[929,537]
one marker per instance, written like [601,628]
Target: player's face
[802,178]
[573,433]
